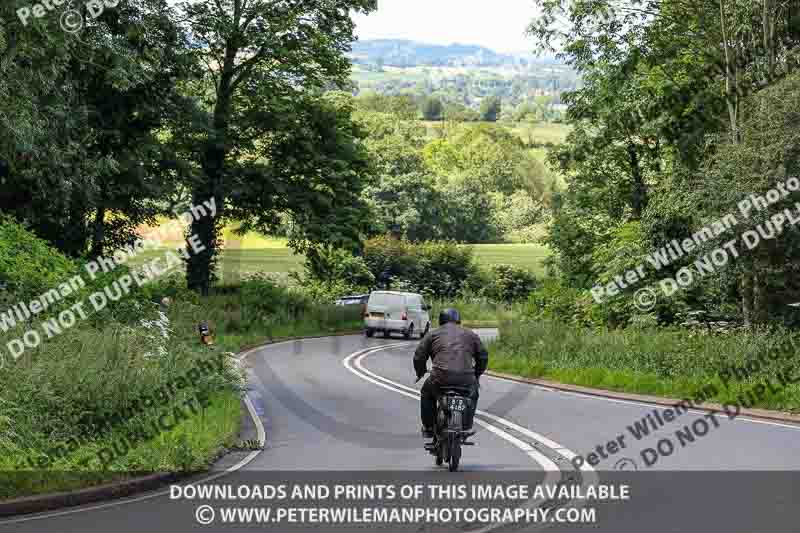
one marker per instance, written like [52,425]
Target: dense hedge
[434,268]
[28,265]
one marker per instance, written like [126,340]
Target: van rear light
[404,316]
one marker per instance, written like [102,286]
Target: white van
[403,312]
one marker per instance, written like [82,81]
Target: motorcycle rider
[459,358]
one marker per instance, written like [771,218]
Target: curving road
[347,408]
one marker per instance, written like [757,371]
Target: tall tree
[679,73]
[84,164]
[264,59]
[491,107]
[432,108]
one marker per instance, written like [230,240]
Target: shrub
[434,268]
[555,301]
[28,265]
[387,258]
[261,294]
[441,267]
[329,291]
[332,264]
[509,283]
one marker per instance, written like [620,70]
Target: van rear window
[386,300]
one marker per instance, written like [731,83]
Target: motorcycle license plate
[456,404]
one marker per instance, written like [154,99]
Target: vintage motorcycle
[449,434]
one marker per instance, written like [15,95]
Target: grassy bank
[134,391]
[730,368]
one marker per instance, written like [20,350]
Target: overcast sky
[495,24]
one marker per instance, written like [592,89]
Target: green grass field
[530,256]
[541,132]
[255,253]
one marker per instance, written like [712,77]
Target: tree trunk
[74,235]
[99,233]
[760,295]
[200,266]
[638,188]
[746,287]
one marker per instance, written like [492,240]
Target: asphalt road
[345,410]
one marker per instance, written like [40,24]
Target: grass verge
[118,398]
[745,369]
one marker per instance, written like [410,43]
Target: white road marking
[544,461]
[354,363]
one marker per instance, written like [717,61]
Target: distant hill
[402,53]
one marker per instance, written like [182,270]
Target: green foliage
[28,265]
[460,113]
[331,273]
[434,268]
[664,362]
[394,145]
[81,162]
[519,215]
[432,108]
[682,114]
[573,234]
[262,296]
[555,301]
[331,264]
[469,216]
[508,283]
[491,107]
[402,106]
[410,205]
[487,157]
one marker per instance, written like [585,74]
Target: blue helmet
[449,315]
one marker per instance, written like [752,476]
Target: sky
[495,24]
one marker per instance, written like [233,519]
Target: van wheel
[369,332]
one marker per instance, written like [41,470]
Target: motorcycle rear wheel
[455,453]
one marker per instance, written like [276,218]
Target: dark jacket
[459,357]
